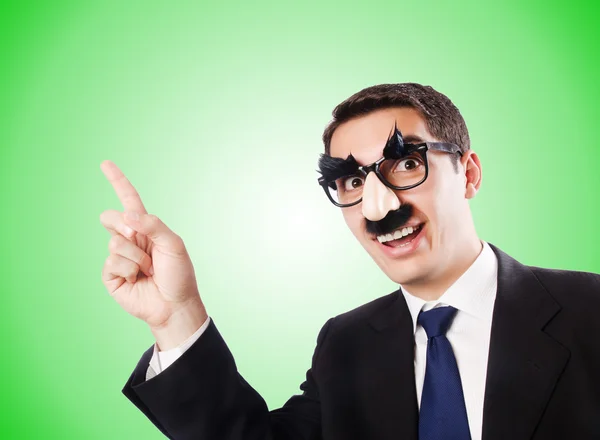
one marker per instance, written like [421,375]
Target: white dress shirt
[161,360]
[473,295]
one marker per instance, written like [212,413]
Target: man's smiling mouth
[401,236]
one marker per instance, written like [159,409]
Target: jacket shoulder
[570,286]
[362,313]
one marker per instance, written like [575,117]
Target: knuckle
[177,242]
[110,261]
[153,219]
[115,243]
[106,216]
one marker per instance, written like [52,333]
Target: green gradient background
[176,95]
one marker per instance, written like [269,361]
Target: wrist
[182,324]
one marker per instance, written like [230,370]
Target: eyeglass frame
[363,171]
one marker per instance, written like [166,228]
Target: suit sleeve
[202,396]
[161,360]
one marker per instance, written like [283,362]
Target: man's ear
[472,168]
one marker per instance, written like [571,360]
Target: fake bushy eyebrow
[395,146]
[332,168]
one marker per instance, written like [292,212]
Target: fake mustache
[392,221]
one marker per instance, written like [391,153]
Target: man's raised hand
[149,271]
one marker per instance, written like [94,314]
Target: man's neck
[431,289]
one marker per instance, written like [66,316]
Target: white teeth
[399,233]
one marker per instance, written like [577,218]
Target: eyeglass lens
[404,172]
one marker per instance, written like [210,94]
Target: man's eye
[352,183]
[408,164]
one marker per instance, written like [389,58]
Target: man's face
[440,208]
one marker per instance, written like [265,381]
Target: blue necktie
[443,415]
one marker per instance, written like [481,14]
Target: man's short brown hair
[442,118]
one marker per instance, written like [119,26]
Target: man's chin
[406,269]
[405,274]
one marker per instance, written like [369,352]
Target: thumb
[153,227]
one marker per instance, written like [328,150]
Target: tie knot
[436,321]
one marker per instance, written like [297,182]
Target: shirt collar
[473,293]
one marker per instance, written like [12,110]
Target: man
[472,345]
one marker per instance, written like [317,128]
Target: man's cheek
[354,219]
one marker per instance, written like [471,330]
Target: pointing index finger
[126,192]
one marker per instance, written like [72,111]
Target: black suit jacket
[543,378]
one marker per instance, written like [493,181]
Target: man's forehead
[365,137]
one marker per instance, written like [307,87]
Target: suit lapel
[389,354]
[524,362]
